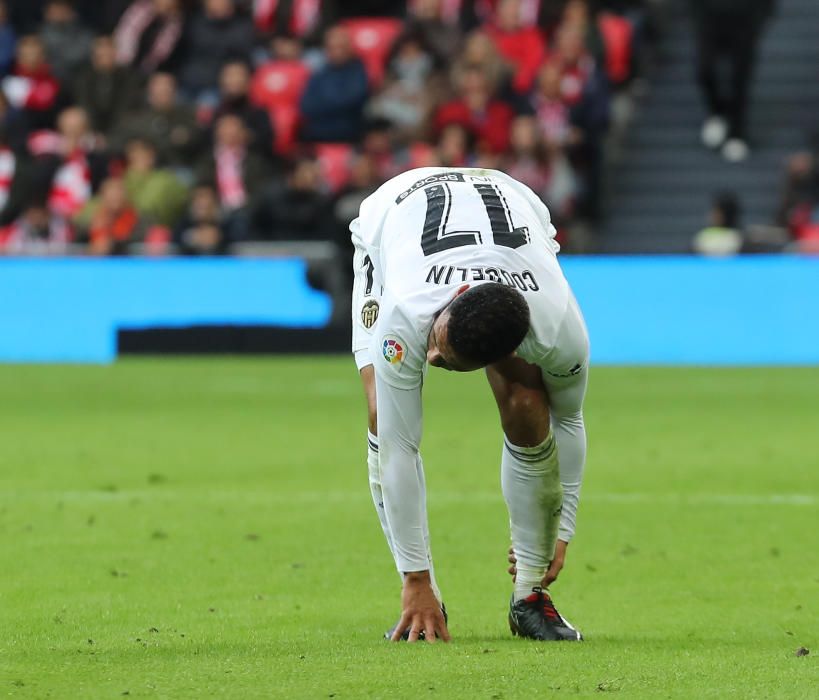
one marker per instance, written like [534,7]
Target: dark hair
[487,322]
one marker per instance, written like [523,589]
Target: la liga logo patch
[393,350]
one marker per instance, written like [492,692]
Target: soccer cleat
[536,617]
[405,637]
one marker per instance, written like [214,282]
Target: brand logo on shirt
[440,177]
[393,350]
[369,313]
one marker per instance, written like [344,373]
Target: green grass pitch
[203,528]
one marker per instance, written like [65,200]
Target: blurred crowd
[170,126]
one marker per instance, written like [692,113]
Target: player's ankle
[526,581]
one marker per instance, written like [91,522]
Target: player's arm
[399,436]
[566,378]
[399,431]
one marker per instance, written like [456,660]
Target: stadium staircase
[662,185]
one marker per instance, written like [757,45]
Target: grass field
[203,528]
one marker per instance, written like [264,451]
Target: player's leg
[530,475]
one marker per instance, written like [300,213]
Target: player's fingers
[403,623]
[512,569]
[429,629]
[550,577]
[512,559]
[415,630]
[443,632]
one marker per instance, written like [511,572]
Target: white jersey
[419,238]
[432,230]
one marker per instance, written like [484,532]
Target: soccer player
[457,268]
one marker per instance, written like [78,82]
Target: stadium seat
[373,38]
[277,87]
[617,34]
[334,159]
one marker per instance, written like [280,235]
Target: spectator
[551,111]
[335,10]
[163,121]
[13,126]
[727,30]
[35,232]
[455,146]
[284,47]
[722,236]
[333,101]
[411,90]
[200,231]
[105,90]
[480,53]
[486,117]
[799,210]
[296,209]
[426,21]
[584,90]
[148,35]
[364,180]
[8,40]
[294,18]
[377,144]
[156,193]
[116,224]
[68,164]
[522,46]
[579,15]
[66,40]
[15,185]
[32,87]
[236,172]
[544,169]
[234,83]
[216,35]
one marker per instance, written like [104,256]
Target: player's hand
[555,566]
[421,610]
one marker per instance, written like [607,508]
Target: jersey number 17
[436,238]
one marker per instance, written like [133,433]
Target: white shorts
[367,289]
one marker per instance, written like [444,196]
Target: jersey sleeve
[399,355]
[403,491]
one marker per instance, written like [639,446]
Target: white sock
[530,477]
[374,470]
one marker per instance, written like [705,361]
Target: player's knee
[525,417]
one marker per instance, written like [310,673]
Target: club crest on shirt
[369,313]
[393,350]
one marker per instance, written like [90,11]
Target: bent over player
[457,268]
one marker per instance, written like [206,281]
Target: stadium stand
[664,185]
[196,126]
